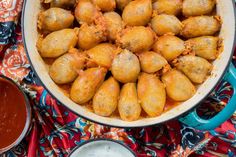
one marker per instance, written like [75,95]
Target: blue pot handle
[192,119]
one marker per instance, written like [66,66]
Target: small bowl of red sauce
[15,114]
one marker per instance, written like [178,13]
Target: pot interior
[224,8]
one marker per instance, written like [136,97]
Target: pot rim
[28,118]
[101,139]
[130,126]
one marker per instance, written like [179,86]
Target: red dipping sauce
[13,114]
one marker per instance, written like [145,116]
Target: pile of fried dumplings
[129,56]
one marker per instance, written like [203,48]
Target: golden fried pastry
[152,94]
[90,36]
[163,24]
[65,68]
[101,55]
[205,46]
[171,7]
[178,86]
[169,46]
[122,3]
[195,68]
[86,84]
[85,11]
[55,19]
[128,106]
[61,3]
[125,67]
[198,7]
[200,26]
[114,24]
[151,61]
[57,43]
[137,13]
[105,99]
[137,39]
[105,5]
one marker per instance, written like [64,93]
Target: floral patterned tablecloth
[55,131]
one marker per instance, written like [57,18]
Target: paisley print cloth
[55,131]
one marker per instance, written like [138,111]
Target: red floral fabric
[55,131]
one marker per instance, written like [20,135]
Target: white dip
[102,148]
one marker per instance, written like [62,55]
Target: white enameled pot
[225,8]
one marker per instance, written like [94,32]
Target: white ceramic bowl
[102,148]
[225,8]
